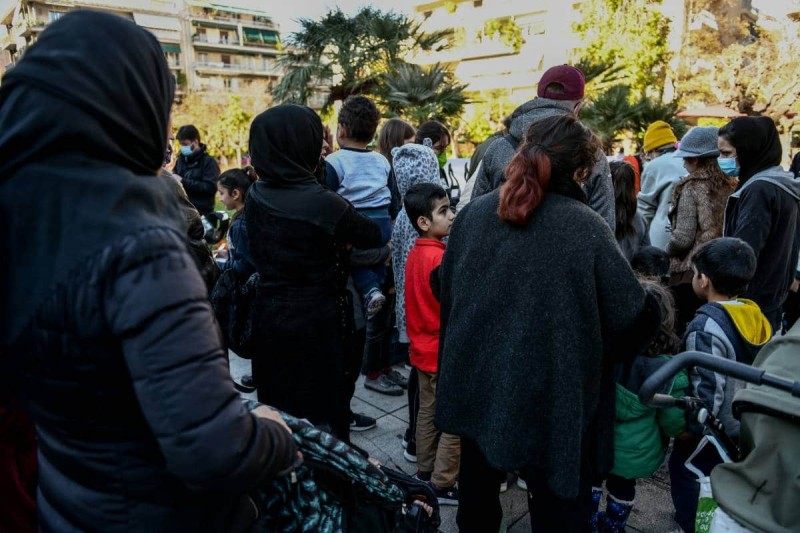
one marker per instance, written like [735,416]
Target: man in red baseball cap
[560,92]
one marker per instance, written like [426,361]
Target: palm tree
[611,113]
[349,53]
[422,93]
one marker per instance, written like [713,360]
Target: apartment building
[501,44]
[208,46]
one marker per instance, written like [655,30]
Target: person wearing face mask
[764,211]
[197,170]
[698,203]
[661,172]
[440,138]
[560,92]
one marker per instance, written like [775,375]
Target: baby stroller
[338,489]
[759,489]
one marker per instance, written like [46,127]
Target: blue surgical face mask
[728,166]
[186,150]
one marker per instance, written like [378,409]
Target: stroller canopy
[762,491]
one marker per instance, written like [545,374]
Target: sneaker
[423,476]
[359,422]
[521,484]
[246,385]
[373,302]
[397,378]
[383,385]
[504,484]
[410,453]
[446,496]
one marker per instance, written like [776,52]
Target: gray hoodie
[491,174]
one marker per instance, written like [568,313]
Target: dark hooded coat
[297,230]
[108,339]
[765,212]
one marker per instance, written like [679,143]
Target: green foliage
[629,33]
[222,119]
[653,110]
[506,30]
[421,93]
[614,114]
[600,75]
[485,116]
[611,113]
[350,53]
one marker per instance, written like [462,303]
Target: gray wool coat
[491,174]
[526,313]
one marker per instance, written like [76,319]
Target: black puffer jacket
[140,427]
[107,337]
[199,173]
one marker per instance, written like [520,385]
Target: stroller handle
[723,366]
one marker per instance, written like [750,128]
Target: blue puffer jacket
[140,428]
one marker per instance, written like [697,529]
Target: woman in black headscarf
[764,210]
[297,230]
[108,339]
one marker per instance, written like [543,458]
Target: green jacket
[641,433]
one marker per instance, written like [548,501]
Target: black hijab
[285,146]
[757,144]
[83,131]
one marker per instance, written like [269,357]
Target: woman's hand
[267,412]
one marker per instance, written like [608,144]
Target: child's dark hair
[728,262]
[651,262]
[665,341]
[419,201]
[361,117]
[188,133]
[238,178]
[393,134]
[624,179]
[433,130]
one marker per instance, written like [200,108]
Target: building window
[202,59]
[223,37]
[477,3]
[226,59]
[55,15]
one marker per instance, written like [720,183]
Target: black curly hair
[360,117]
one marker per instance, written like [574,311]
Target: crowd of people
[531,306]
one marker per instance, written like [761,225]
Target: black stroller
[759,489]
[338,489]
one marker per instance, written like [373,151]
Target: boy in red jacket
[428,209]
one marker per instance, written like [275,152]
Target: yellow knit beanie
[658,134]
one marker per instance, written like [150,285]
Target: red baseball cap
[568,77]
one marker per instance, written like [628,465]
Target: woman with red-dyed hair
[537,305]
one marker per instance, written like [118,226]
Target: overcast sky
[286,12]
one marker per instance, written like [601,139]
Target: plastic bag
[706,505]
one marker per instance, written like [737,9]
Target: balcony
[214,20]
[8,42]
[201,41]
[251,68]
[30,27]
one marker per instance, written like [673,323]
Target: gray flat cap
[700,141]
